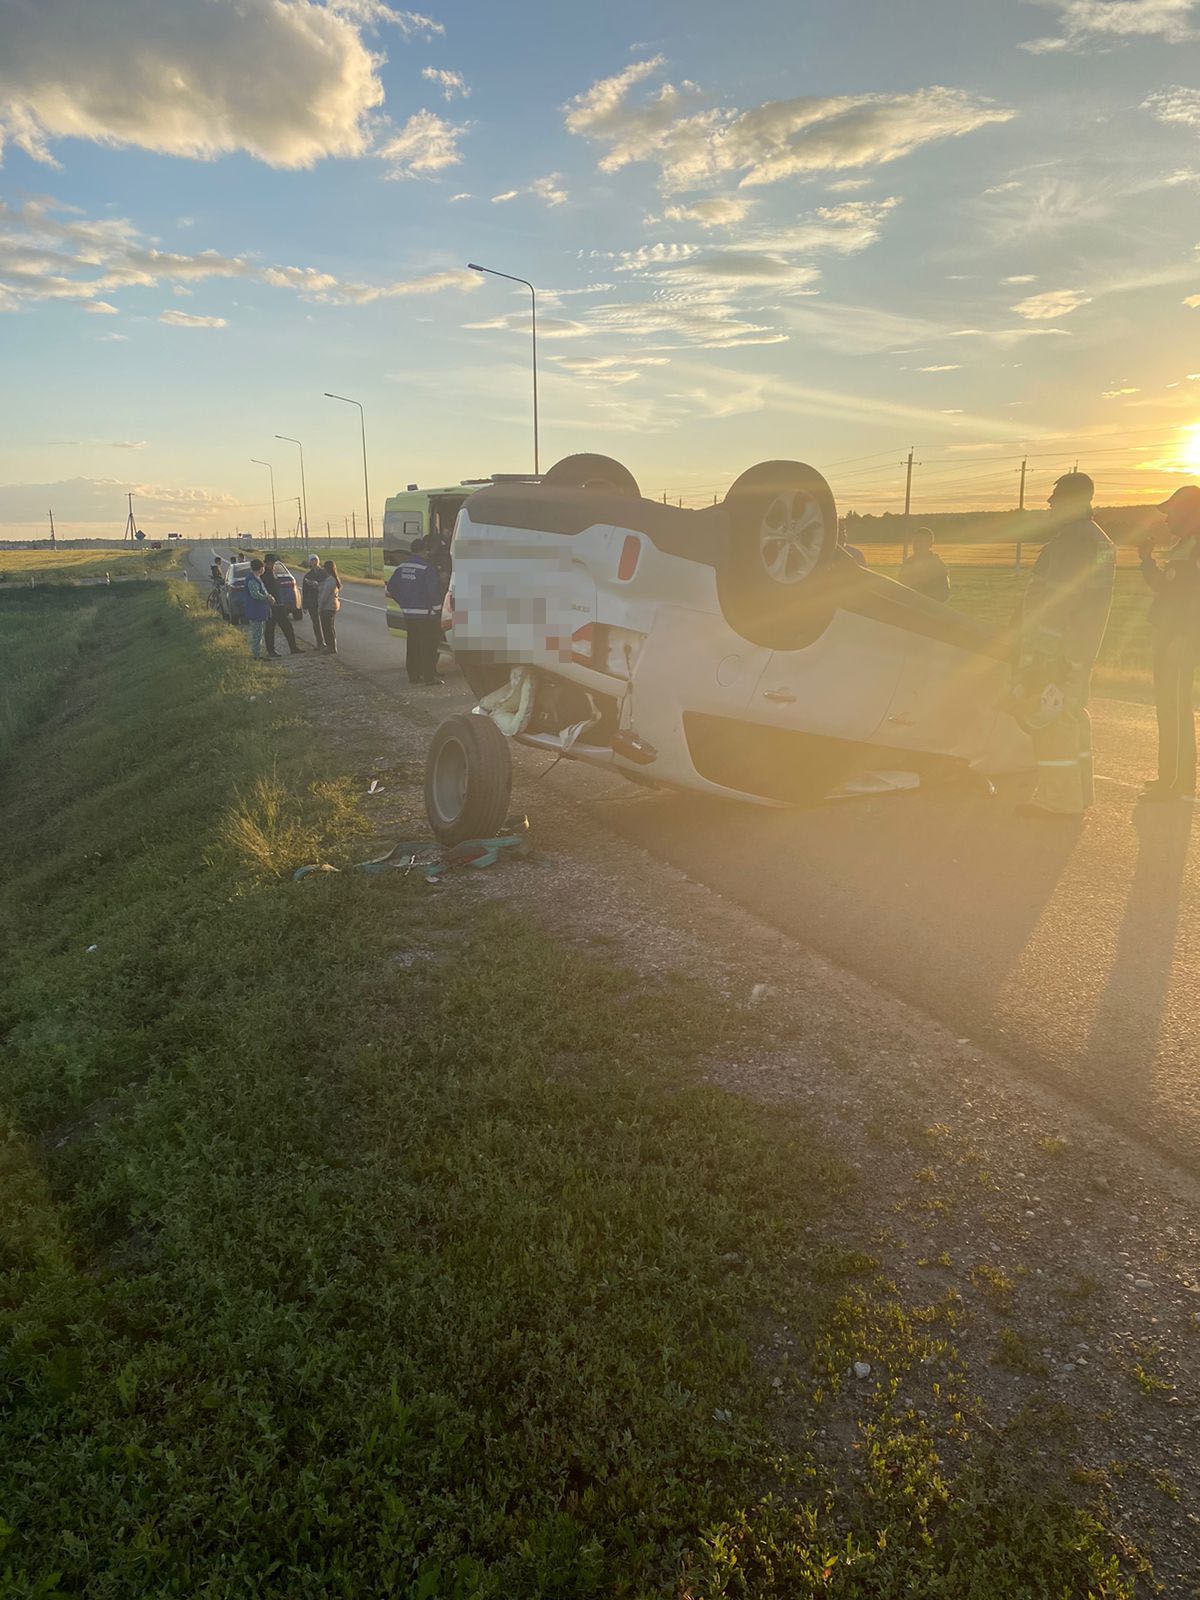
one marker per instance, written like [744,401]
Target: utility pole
[53,541]
[130,524]
[1021,511]
[354,528]
[907,498]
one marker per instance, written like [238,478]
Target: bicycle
[216,599]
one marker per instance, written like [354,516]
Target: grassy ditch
[357,1241]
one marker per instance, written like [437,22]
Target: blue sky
[772,230]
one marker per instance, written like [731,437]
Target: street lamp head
[474,267]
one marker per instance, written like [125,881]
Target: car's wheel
[783,531]
[468,779]
[593,472]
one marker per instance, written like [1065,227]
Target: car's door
[839,687]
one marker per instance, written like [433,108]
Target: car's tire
[468,779]
[601,473]
[782,534]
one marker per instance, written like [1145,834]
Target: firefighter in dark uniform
[1063,619]
[1175,625]
[416,587]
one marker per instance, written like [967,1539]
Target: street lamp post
[473,266]
[274,518]
[303,490]
[362,422]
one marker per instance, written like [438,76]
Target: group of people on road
[272,604]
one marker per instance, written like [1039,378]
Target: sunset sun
[1189,448]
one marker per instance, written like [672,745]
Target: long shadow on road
[1050,943]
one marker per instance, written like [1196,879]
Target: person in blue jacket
[417,588]
[258,607]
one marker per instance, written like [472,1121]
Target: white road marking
[365,604]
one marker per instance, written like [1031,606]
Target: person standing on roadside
[924,572]
[417,589]
[1175,628]
[328,605]
[258,607]
[310,588]
[1063,618]
[281,614]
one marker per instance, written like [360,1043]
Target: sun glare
[1189,449]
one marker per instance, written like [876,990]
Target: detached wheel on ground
[468,779]
[783,531]
[601,473]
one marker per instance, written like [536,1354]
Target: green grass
[17,567]
[360,1241]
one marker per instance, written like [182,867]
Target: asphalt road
[1074,952]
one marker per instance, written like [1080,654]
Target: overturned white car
[734,650]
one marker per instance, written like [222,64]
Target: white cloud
[286,83]
[112,338]
[720,212]
[425,144]
[1021,277]
[1004,337]
[373,13]
[1051,304]
[548,190]
[588,364]
[943,366]
[1175,106]
[1193,300]
[454,198]
[1115,394]
[102,500]
[615,370]
[849,185]
[693,145]
[129,444]
[48,255]
[101,308]
[451,84]
[1097,24]
[185,319]
[708,318]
